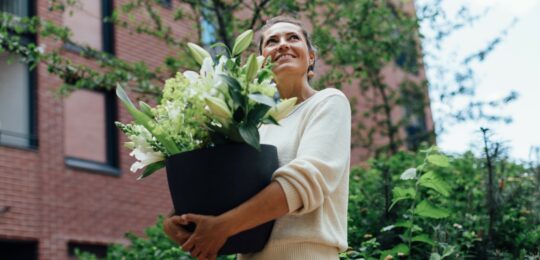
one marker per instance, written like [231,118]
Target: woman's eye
[271,41]
[294,37]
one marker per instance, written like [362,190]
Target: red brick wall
[55,204]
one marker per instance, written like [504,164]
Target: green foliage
[451,226]
[154,245]
[441,212]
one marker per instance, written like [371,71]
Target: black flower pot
[211,181]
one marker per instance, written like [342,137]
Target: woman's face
[286,45]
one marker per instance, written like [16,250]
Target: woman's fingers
[174,230]
[179,220]
[196,252]
[188,245]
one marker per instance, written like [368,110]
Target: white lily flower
[192,76]
[145,158]
[207,68]
[143,151]
[282,109]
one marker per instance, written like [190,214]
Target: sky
[513,65]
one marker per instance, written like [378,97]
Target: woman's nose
[283,45]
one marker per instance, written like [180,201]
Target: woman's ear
[311,57]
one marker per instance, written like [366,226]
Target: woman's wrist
[230,223]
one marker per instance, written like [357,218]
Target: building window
[165,3]
[90,137]
[19,8]
[17,86]
[407,57]
[100,251]
[12,249]
[86,20]
[416,126]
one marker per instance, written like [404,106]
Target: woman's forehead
[282,28]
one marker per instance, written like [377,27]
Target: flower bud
[218,108]
[282,109]
[260,61]
[252,68]
[145,108]
[242,42]
[198,53]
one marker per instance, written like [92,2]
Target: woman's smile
[284,57]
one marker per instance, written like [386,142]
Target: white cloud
[514,7]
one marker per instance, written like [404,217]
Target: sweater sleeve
[322,157]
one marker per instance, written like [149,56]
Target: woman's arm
[212,232]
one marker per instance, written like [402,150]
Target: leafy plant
[427,185]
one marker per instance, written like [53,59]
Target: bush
[463,234]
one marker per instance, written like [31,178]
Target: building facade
[64,177]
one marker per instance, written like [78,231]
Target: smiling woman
[308,196]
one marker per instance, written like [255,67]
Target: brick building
[64,178]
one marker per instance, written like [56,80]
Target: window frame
[111,166]
[32,137]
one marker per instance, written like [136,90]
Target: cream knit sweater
[313,144]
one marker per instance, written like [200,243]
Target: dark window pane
[14,102]
[15,250]
[16,7]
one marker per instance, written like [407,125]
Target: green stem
[409,238]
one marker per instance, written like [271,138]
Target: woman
[308,196]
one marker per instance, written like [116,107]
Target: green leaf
[260,98]
[146,109]
[401,194]
[408,174]
[448,250]
[438,160]
[435,256]
[399,250]
[235,90]
[151,168]
[387,228]
[250,134]
[264,74]
[239,115]
[407,224]
[121,94]
[424,238]
[270,120]
[433,181]
[424,209]
[258,112]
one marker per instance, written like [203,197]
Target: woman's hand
[209,236]
[173,227]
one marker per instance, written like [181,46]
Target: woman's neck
[294,87]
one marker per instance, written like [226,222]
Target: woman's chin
[286,68]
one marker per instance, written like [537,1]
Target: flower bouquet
[205,132]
